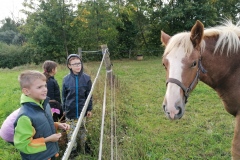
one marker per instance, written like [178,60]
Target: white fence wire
[75,132]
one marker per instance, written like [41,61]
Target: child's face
[75,65]
[37,91]
[54,71]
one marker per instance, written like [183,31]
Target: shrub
[12,55]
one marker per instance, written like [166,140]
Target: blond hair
[26,78]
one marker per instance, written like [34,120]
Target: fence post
[108,63]
[80,52]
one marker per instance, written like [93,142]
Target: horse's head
[182,61]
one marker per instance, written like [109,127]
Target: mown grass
[143,131]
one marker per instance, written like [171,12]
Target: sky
[11,8]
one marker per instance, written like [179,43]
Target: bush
[11,56]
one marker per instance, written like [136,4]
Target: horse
[211,55]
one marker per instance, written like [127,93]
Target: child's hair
[26,78]
[72,58]
[48,66]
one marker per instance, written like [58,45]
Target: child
[50,69]
[75,90]
[35,132]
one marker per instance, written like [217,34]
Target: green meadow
[142,130]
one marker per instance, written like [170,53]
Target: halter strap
[185,89]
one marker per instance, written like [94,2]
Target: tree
[9,25]
[9,32]
[94,25]
[229,9]
[127,32]
[48,28]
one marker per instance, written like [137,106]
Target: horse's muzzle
[174,115]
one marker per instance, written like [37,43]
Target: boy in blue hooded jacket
[75,90]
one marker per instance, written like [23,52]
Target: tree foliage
[55,28]
[9,32]
[48,28]
[127,32]
[94,25]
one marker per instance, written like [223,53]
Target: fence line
[103,117]
[112,136]
[80,51]
[74,135]
[115,119]
[111,80]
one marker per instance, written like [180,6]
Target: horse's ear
[197,33]
[164,38]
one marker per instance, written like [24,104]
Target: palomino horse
[211,55]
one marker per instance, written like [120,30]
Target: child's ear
[25,91]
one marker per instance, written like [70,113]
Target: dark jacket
[75,91]
[53,89]
[54,95]
[43,124]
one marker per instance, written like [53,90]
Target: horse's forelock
[228,35]
[180,40]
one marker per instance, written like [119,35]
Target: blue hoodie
[75,90]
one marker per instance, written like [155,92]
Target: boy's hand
[89,114]
[53,137]
[64,126]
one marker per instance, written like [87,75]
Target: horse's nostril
[165,110]
[180,110]
[179,114]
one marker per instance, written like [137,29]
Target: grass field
[143,131]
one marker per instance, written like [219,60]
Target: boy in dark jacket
[75,90]
[35,132]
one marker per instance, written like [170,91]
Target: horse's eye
[194,64]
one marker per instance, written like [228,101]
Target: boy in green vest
[35,131]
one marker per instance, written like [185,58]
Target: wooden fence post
[80,52]
[108,64]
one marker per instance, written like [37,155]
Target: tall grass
[143,131]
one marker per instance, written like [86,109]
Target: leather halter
[189,89]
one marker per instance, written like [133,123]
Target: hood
[25,99]
[75,55]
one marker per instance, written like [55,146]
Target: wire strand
[103,117]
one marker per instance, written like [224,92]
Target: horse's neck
[220,67]
[223,75]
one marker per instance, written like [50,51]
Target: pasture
[143,132]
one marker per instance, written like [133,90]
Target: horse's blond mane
[228,35]
[182,40]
